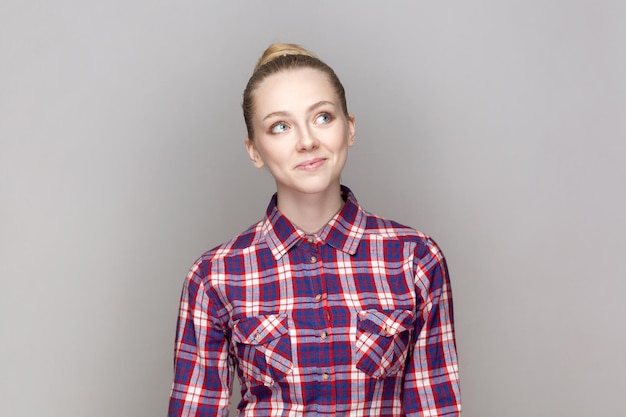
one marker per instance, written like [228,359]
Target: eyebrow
[310,109]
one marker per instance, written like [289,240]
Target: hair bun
[279,49]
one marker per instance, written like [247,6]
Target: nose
[307,140]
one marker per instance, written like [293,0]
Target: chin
[313,187]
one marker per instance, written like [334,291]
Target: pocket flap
[385,322]
[260,329]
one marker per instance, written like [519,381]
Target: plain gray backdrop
[497,127]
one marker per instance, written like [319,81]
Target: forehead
[293,89]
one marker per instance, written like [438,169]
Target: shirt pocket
[383,340]
[263,348]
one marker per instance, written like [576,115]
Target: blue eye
[323,118]
[279,127]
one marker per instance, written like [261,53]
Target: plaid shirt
[354,320]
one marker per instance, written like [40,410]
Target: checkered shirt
[355,320]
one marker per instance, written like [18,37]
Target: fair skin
[302,137]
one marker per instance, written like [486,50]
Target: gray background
[495,126]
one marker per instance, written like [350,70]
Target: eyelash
[326,114]
[275,126]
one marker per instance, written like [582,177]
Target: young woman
[321,308]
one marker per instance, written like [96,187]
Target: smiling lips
[311,164]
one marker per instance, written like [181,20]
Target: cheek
[342,141]
[273,155]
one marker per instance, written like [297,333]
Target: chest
[318,279]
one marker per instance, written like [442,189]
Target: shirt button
[323,335]
[318,297]
[325,376]
[311,240]
[257,336]
[313,259]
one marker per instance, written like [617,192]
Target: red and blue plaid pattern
[355,320]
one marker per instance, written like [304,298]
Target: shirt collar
[343,232]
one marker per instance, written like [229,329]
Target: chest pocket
[263,348]
[383,341]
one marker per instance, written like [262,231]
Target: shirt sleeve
[431,385]
[202,375]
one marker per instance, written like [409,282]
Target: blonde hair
[277,49]
[281,57]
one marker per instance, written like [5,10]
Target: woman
[321,307]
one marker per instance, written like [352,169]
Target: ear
[254,154]
[351,130]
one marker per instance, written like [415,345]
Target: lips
[311,164]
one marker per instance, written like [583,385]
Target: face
[301,133]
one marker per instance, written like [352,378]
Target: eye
[279,127]
[323,118]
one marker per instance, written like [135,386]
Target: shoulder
[382,228]
[238,245]
[429,262]
[386,228]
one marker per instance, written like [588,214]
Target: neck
[310,212]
